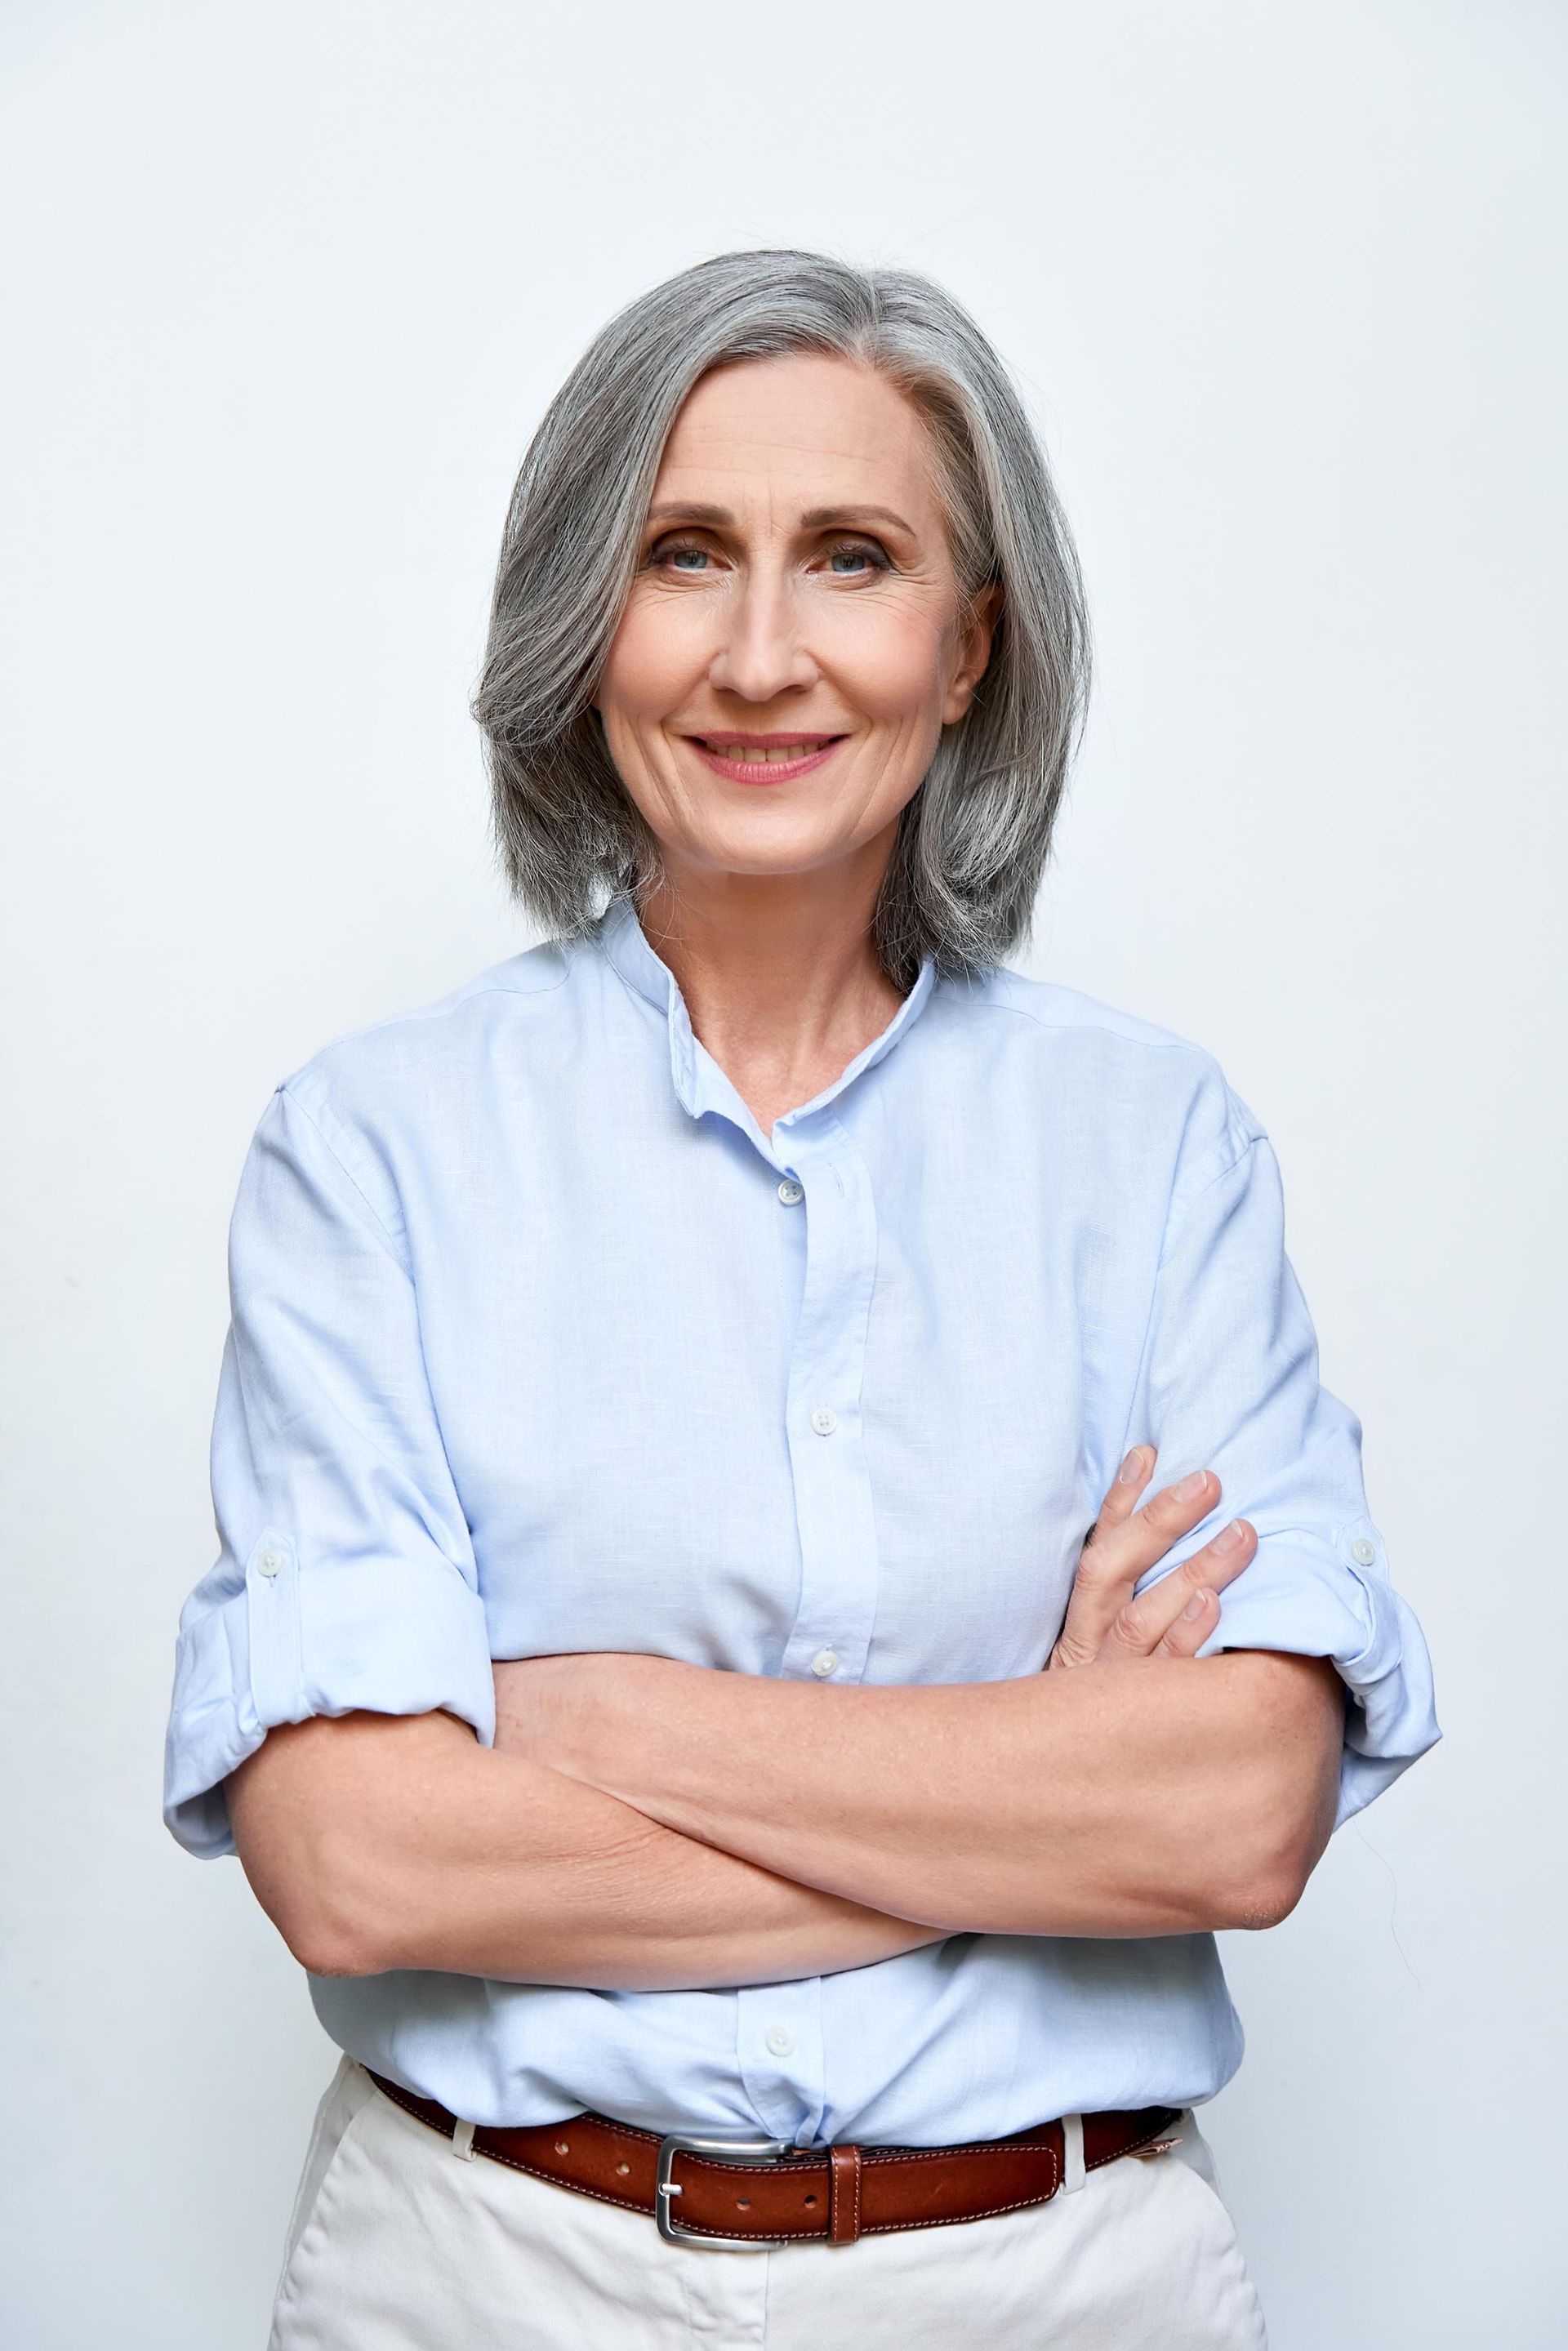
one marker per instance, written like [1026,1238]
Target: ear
[973,653]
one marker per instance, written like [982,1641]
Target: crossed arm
[643,1824]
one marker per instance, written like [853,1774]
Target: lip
[765,771]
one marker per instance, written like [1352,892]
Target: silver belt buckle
[721,2150]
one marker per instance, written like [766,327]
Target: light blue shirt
[540,1343]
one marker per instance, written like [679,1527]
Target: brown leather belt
[756,2192]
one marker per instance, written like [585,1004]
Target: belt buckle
[721,2150]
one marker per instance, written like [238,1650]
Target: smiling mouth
[764,759]
[776,750]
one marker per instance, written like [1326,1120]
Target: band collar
[699,1082]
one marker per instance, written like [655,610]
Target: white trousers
[398,2244]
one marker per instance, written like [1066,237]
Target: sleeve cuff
[391,1635]
[1318,1598]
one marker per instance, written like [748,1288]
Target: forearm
[376,1842]
[1165,1798]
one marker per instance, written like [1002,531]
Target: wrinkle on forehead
[820,432]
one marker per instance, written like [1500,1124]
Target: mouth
[764,759]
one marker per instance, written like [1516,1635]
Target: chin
[777,852]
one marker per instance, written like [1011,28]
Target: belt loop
[463,2141]
[1072,2154]
[844,2194]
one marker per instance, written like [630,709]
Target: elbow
[318,1880]
[1265,1898]
[1286,1799]
[327,1940]
[330,1956]
[1221,1893]
[345,1827]
[352,1904]
[314,1911]
[1252,1885]
[1271,1857]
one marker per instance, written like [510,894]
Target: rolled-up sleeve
[1229,1383]
[346,1577]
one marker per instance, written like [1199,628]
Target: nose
[761,655]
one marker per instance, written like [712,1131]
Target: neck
[779,972]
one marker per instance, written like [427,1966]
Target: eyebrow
[816,519]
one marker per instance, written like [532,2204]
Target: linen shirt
[540,1343]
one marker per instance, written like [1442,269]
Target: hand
[1173,1618]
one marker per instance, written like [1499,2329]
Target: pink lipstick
[773,770]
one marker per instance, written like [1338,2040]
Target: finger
[1122,1496]
[1174,1511]
[1144,1622]
[1096,1593]
[1119,1555]
[1192,1627]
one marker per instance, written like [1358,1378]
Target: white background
[287,290]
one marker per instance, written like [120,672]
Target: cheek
[890,661]
[652,658]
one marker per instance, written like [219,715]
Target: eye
[857,559]
[684,555]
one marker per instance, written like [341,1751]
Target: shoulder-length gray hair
[972,843]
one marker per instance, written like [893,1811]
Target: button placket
[834,1518]
[779,2044]
[836,1533]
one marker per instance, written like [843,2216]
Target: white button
[791,1193]
[824,1662]
[1363,1552]
[823,1421]
[269,1561]
[779,2042]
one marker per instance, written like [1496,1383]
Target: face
[793,644]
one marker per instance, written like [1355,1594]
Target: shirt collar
[699,1082]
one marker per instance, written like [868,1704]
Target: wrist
[584,1715]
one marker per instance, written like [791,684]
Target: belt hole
[623,2169]
[811,2200]
[743,2203]
[562,2147]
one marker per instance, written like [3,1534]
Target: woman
[728,1316]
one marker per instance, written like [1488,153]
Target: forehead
[807,428]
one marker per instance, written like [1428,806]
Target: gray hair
[973,841]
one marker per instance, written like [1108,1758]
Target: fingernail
[1189,1488]
[1131,1468]
[1197,1604]
[1229,1538]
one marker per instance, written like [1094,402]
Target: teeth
[752,756]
